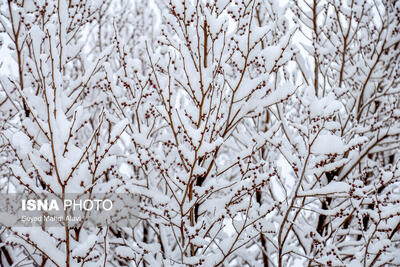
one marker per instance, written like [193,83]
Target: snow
[247,116]
[331,188]
[328,144]
[82,248]
[325,106]
[23,144]
[43,240]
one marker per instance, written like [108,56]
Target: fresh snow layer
[328,144]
